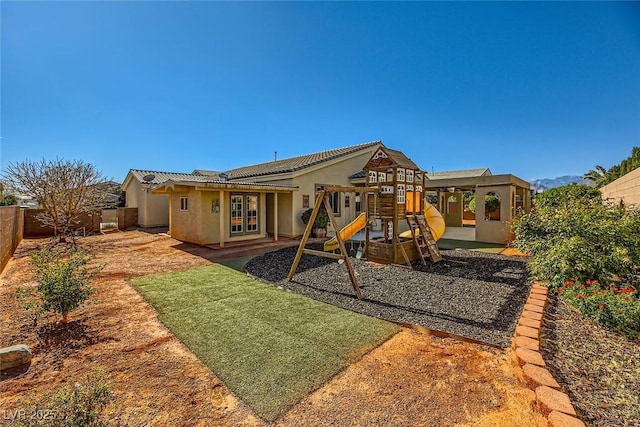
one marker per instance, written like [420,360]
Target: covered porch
[219,213]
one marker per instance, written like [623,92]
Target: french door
[244,214]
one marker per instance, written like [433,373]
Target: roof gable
[158,177]
[297,163]
[386,157]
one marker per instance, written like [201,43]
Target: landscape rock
[13,356]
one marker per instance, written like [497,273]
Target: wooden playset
[395,205]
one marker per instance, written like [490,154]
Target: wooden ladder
[425,243]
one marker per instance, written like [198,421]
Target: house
[255,201]
[153,209]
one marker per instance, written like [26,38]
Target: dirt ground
[412,379]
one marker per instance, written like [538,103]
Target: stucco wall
[153,209]
[625,188]
[200,225]
[489,230]
[330,174]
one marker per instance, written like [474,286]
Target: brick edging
[530,364]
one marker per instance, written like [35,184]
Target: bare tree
[64,189]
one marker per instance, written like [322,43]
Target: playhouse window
[409,176]
[401,194]
[184,203]
[373,176]
[400,173]
[382,177]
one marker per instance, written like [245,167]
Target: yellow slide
[434,220]
[347,232]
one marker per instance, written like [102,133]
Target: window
[409,176]
[382,177]
[400,174]
[184,203]
[401,194]
[305,201]
[334,201]
[244,214]
[252,213]
[373,176]
[386,189]
[492,207]
[237,211]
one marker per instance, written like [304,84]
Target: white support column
[275,216]
[222,219]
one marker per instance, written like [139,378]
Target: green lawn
[270,347]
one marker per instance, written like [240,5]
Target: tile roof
[293,164]
[205,172]
[357,175]
[160,177]
[466,173]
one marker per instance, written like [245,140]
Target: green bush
[615,309]
[491,204]
[574,237]
[322,219]
[63,280]
[8,200]
[560,196]
[77,404]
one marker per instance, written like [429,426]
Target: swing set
[343,256]
[397,185]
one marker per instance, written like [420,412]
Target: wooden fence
[11,232]
[34,228]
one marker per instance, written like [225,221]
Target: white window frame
[184,203]
[409,175]
[373,177]
[382,177]
[401,194]
[400,175]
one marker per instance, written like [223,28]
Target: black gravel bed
[471,294]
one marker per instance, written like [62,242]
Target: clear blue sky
[534,89]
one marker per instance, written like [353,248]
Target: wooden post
[343,249]
[275,216]
[323,197]
[305,236]
[221,227]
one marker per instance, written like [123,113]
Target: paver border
[530,365]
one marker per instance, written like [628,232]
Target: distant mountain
[547,183]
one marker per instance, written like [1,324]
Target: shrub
[64,280]
[8,200]
[78,404]
[614,308]
[322,219]
[576,239]
[581,239]
[491,204]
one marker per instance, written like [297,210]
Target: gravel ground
[472,294]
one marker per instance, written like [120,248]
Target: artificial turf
[269,346]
